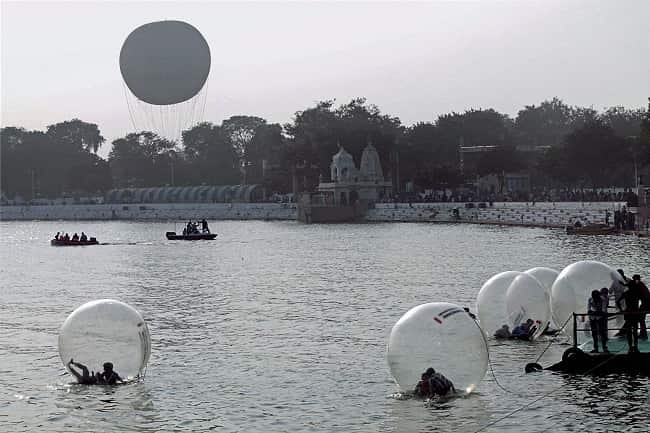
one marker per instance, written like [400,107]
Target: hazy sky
[414,60]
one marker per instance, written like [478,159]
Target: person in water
[109,376]
[432,383]
[84,378]
[597,320]
[525,330]
[503,332]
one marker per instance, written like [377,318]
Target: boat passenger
[83,237]
[84,378]
[56,237]
[631,296]
[432,383]
[66,237]
[204,226]
[597,320]
[577,224]
[75,237]
[503,332]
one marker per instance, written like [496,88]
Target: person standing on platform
[597,320]
[645,305]
[631,297]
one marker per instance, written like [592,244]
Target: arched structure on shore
[187,194]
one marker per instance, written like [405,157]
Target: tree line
[559,145]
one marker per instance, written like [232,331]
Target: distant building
[349,191]
[187,194]
[348,185]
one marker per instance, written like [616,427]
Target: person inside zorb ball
[437,349]
[105,342]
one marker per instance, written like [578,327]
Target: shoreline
[515,214]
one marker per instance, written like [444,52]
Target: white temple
[349,185]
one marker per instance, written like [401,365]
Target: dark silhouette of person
[83,237]
[432,383]
[597,320]
[84,378]
[57,235]
[645,305]
[109,376]
[75,237]
[204,226]
[631,297]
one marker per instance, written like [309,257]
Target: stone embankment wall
[162,211]
[540,214]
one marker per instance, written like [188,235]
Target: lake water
[282,327]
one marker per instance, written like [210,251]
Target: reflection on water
[277,326]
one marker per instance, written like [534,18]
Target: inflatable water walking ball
[491,302]
[572,289]
[526,299]
[546,276]
[106,331]
[439,335]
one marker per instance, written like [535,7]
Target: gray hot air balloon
[165,66]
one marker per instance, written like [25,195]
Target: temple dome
[370,167]
[342,167]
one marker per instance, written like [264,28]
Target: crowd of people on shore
[463,196]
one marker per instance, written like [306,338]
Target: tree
[141,160]
[543,125]
[626,123]
[240,130]
[426,160]
[594,151]
[211,155]
[35,165]
[76,134]
[267,147]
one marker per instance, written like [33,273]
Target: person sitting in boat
[432,383]
[503,332]
[75,237]
[597,320]
[56,237]
[66,237]
[577,224]
[83,378]
[204,226]
[83,237]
